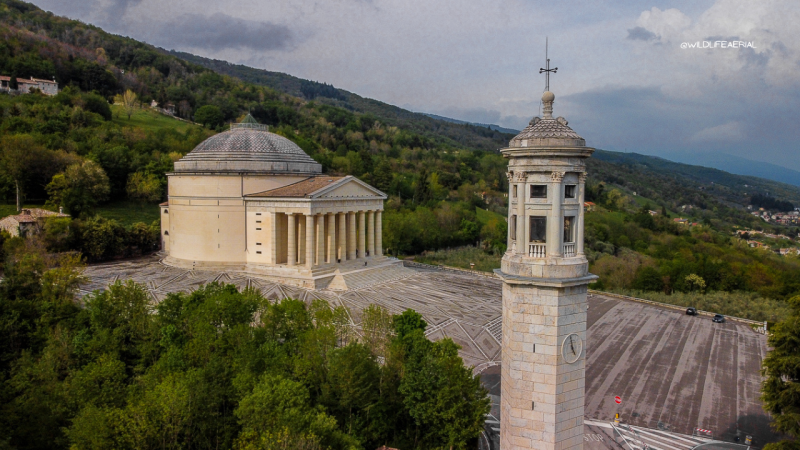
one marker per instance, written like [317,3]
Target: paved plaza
[674,372]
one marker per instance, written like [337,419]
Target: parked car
[719,318]
[691,311]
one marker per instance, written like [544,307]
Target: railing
[569,250]
[249,126]
[537,250]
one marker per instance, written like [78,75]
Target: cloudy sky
[624,81]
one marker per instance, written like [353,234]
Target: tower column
[544,296]
[378,233]
[309,240]
[331,238]
[320,219]
[291,248]
[341,245]
[351,235]
[579,229]
[361,235]
[522,222]
[556,226]
[371,232]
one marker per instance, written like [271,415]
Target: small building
[169,108]
[588,206]
[27,221]
[24,85]
[653,213]
[153,104]
[681,221]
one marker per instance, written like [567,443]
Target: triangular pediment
[349,187]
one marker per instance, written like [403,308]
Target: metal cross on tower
[548,69]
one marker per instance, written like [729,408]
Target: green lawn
[484,215]
[462,257]
[148,119]
[127,213]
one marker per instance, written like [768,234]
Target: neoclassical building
[253,201]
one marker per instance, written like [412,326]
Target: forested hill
[467,135]
[735,188]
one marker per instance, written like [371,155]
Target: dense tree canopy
[218,368]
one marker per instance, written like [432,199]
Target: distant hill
[727,187]
[463,133]
[739,165]
[464,122]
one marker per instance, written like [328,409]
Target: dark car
[691,311]
[719,318]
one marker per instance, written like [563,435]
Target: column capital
[557,177]
[582,177]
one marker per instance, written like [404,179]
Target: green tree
[143,187]
[20,155]
[80,188]
[209,116]
[422,188]
[781,369]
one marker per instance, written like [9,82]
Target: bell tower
[545,278]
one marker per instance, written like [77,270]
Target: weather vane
[548,69]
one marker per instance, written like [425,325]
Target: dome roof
[547,132]
[248,147]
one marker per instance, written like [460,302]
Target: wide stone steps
[368,277]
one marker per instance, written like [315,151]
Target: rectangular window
[258,214]
[569,191]
[258,221]
[258,252]
[569,225]
[258,243]
[515,191]
[514,227]
[258,229]
[539,191]
[538,229]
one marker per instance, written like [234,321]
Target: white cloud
[727,132]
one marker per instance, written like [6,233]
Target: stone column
[371,232]
[320,219]
[301,239]
[351,235]
[378,233]
[291,249]
[579,219]
[273,238]
[556,225]
[522,196]
[342,244]
[362,234]
[309,240]
[331,238]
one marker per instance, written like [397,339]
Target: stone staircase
[359,279]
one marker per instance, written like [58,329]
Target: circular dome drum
[248,147]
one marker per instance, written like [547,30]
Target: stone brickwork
[543,395]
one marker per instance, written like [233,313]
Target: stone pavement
[674,372]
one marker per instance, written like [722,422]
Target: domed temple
[253,201]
